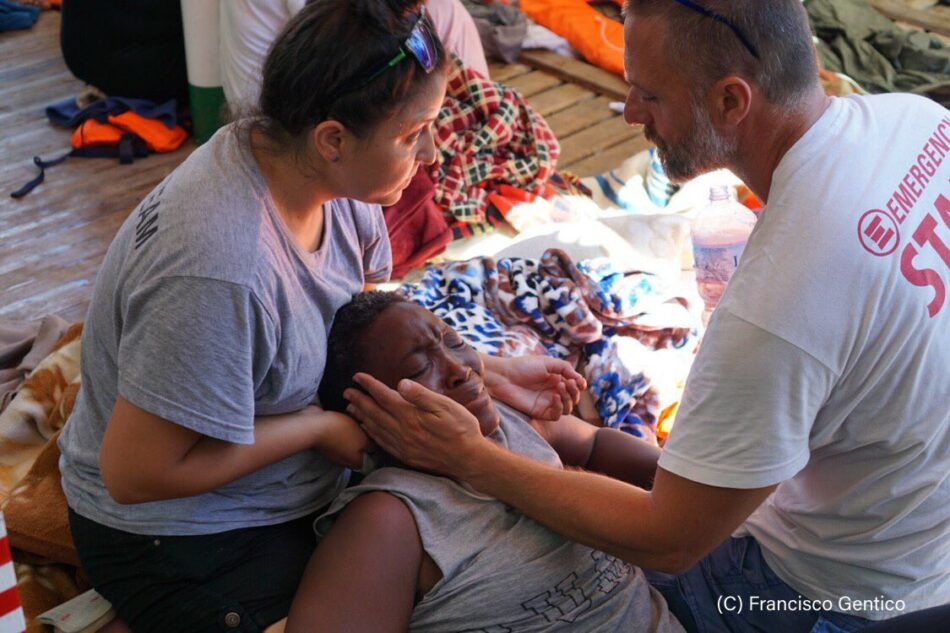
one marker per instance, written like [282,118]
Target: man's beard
[701,149]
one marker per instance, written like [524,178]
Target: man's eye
[419,371]
[454,341]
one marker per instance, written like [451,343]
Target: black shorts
[237,581]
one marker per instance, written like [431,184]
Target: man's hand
[416,426]
[541,387]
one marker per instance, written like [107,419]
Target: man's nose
[633,112]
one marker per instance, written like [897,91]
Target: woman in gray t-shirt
[195,459]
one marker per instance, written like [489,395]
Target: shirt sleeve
[192,351]
[377,254]
[750,402]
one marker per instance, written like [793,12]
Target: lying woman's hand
[542,387]
[341,439]
[418,427]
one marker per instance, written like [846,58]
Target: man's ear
[330,140]
[732,100]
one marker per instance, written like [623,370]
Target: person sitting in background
[127,49]
[435,555]
[249,27]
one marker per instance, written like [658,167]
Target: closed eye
[419,371]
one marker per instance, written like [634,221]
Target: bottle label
[716,263]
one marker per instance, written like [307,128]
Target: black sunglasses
[689,4]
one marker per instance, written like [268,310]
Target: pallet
[574,97]
[923,14]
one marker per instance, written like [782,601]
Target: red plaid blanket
[486,135]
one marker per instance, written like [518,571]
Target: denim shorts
[713,596]
[238,581]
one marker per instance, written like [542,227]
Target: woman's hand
[541,387]
[416,426]
[340,438]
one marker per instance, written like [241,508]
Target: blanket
[604,321]
[486,134]
[39,409]
[31,496]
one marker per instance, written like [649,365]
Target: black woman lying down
[406,550]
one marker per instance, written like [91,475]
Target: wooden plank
[578,72]
[579,116]
[591,140]
[559,98]
[532,83]
[931,20]
[920,4]
[608,159]
[503,72]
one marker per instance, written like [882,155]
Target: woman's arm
[363,575]
[603,450]
[147,458]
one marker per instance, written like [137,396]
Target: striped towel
[11,613]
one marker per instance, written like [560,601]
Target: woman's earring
[336,158]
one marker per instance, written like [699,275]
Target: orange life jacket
[157,136]
[598,38]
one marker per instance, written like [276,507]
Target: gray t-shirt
[503,571]
[207,313]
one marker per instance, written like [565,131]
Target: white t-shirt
[827,363]
[249,27]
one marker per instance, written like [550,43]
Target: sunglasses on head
[421,45]
[689,4]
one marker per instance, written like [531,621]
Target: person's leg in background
[127,49]
[458,32]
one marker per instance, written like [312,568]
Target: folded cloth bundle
[14,17]
[417,230]
[486,135]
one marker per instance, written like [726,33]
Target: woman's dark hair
[344,354]
[325,46]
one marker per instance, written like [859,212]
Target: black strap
[129,148]
[42,164]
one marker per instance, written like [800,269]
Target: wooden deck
[52,241]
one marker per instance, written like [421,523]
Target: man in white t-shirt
[805,484]
[249,27]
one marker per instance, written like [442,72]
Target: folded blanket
[39,409]
[487,134]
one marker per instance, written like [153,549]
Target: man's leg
[732,591]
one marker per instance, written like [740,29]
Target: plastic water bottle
[720,231]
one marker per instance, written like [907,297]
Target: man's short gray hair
[786,69]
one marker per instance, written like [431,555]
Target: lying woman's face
[408,341]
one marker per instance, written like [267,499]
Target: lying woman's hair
[344,354]
[310,69]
